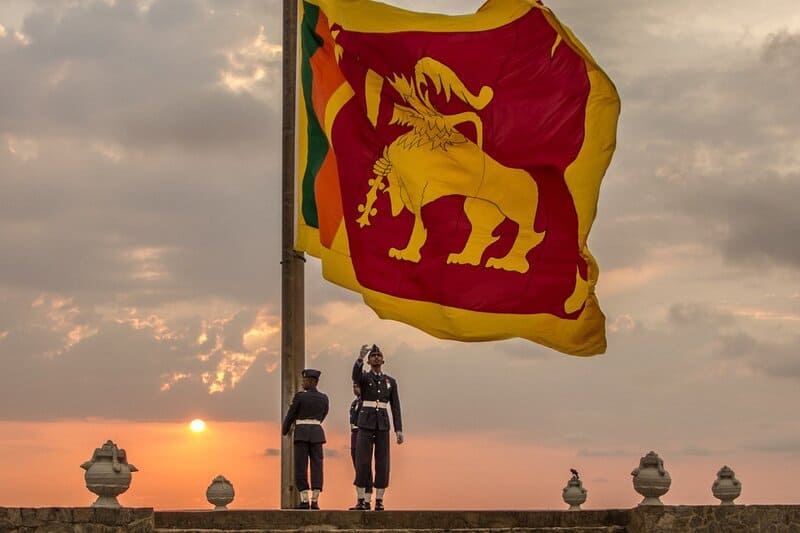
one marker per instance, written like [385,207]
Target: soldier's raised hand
[400,438]
[364,351]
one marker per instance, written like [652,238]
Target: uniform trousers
[353,439]
[368,441]
[303,451]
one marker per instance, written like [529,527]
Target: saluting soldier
[355,407]
[308,409]
[378,393]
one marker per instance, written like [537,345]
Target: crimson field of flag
[449,167]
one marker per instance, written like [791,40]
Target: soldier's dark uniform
[307,411]
[355,407]
[378,391]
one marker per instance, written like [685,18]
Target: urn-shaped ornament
[726,488]
[220,493]
[651,480]
[574,494]
[108,474]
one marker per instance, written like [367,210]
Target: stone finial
[108,474]
[651,480]
[220,493]
[574,494]
[726,487]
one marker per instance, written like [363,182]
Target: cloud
[776,359]
[696,451]
[146,79]
[698,315]
[707,156]
[118,137]
[126,365]
[778,445]
[272,452]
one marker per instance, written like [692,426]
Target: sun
[197,425]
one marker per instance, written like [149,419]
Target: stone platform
[414,521]
[667,519]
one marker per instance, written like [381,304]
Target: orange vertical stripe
[327,78]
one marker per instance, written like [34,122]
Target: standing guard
[308,409]
[378,392]
[355,407]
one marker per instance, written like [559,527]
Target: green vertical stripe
[317,143]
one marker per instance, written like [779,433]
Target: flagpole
[292,262]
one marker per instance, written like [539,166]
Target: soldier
[308,409]
[354,408]
[378,392]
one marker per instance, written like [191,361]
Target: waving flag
[449,167]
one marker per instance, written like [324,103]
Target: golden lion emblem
[434,159]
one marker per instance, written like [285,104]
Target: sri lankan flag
[449,167]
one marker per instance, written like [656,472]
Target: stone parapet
[387,520]
[76,520]
[666,519]
[716,519]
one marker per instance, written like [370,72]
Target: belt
[376,405]
[308,421]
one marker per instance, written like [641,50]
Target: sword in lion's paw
[381,169]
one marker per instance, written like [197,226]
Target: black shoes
[314,506]
[303,505]
[360,506]
[379,505]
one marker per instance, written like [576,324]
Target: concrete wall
[716,519]
[667,519]
[75,520]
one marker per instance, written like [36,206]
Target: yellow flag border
[369,16]
[583,336]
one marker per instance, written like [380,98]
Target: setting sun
[197,425]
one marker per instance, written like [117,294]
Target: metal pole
[292,262]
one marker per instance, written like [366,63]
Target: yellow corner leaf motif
[579,294]
[372,89]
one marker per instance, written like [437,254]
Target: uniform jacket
[309,404]
[381,388]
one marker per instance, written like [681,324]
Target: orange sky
[41,467]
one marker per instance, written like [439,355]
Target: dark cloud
[748,221]
[272,452]
[705,157]
[776,359]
